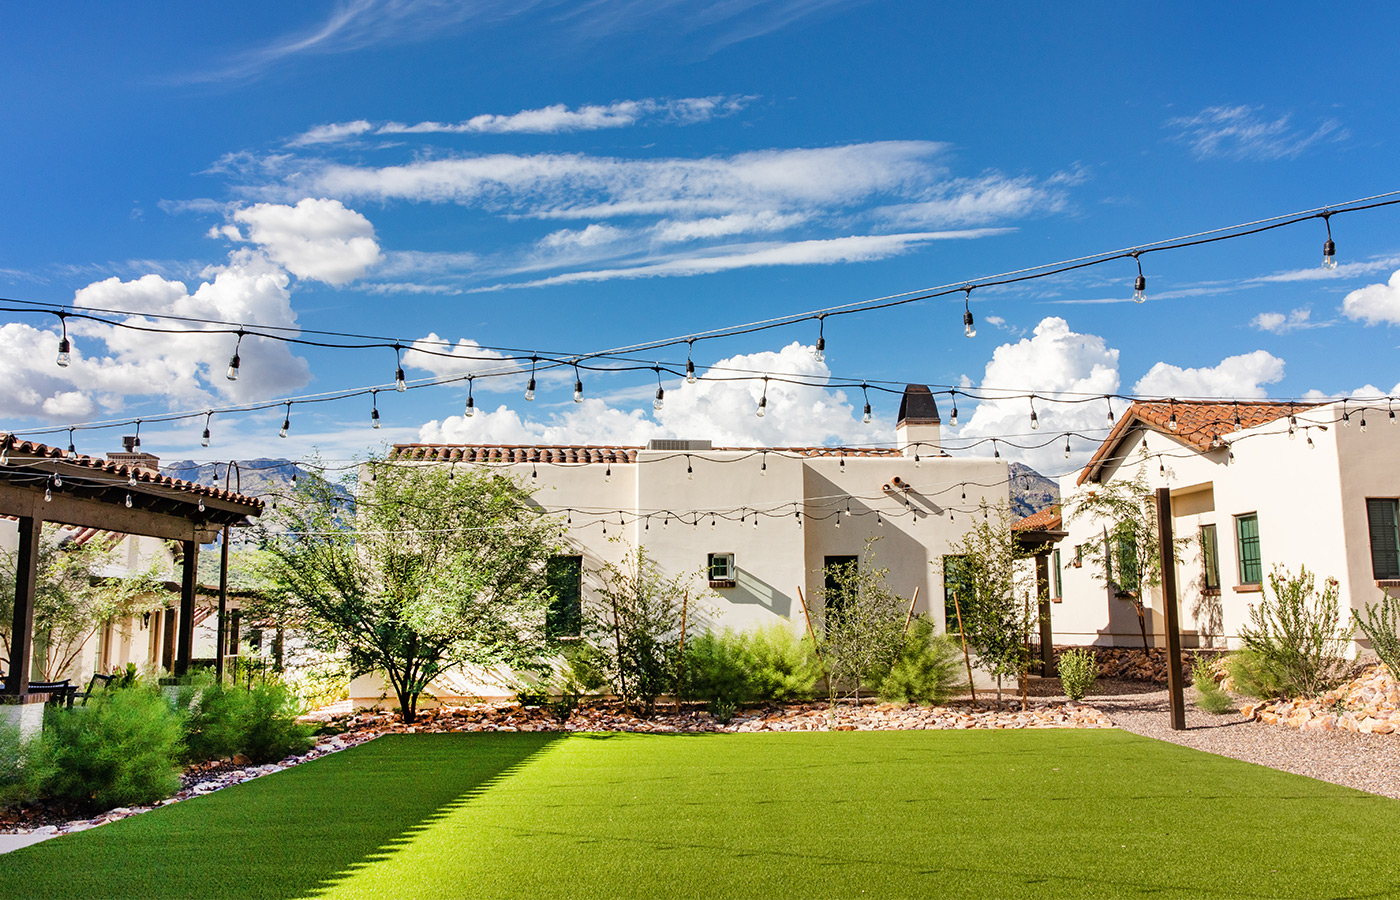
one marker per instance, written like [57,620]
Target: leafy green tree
[76,593]
[1126,554]
[999,613]
[432,569]
[861,624]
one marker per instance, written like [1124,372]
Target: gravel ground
[1368,762]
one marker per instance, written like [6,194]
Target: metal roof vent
[655,444]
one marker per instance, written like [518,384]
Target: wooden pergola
[41,484]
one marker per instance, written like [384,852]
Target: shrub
[1079,669]
[1254,674]
[215,722]
[927,669]
[119,750]
[1381,625]
[780,665]
[716,669]
[271,730]
[1209,696]
[1297,634]
[16,775]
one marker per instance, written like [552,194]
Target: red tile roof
[1199,423]
[19,450]
[512,453]
[1048,519]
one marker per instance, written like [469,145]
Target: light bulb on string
[1109,401]
[1067,451]
[233,362]
[660,400]
[1346,416]
[1329,249]
[646,524]
[471,401]
[996,453]
[819,351]
[131,476]
[72,449]
[136,441]
[607,472]
[916,454]
[57,480]
[1363,420]
[843,465]
[1140,284]
[1311,445]
[578,385]
[879,522]
[204,437]
[1035,419]
[1390,404]
[374,409]
[865,417]
[1171,420]
[763,464]
[48,494]
[838,518]
[568,517]
[400,384]
[953,417]
[763,400]
[530,385]
[689,363]
[969,327]
[286,421]
[797,514]
[1239,425]
[64,346]
[128,501]
[712,521]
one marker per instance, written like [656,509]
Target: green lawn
[810,815]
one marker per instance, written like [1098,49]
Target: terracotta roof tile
[516,453]
[31,449]
[1199,423]
[1048,519]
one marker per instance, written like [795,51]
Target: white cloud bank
[317,238]
[1375,304]
[1236,376]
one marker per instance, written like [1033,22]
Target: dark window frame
[1383,537]
[1249,549]
[726,578]
[563,617]
[1210,557]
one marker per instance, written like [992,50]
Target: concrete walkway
[9,842]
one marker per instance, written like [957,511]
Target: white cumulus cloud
[317,238]
[1236,376]
[1375,303]
[1283,323]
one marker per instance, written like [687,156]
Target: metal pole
[1168,557]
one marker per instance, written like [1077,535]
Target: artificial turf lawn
[894,814]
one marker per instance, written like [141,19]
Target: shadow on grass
[284,836]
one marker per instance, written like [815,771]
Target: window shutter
[1385,543]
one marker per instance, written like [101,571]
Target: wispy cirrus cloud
[554,119]
[1247,133]
[1283,323]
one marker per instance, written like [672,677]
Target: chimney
[917,430]
[131,455]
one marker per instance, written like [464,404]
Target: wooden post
[223,609]
[910,617]
[26,583]
[1175,687]
[957,610]
[826,678]
[185,638]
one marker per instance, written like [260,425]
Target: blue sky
[568,178]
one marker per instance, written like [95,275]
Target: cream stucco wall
[1310,502]
[781,554]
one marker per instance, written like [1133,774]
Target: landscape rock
[1366,704]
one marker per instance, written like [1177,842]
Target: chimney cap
[917,406]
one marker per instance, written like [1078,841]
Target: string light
[996,453]
[865,418]
[1035,419]
[838,518]
[843,465]
[1391,406]
[128,501]
[48,494]
[530,386]
[763,400]
[1171,421]
[607,473]
[72,449]
[1346,416]
[969,328]
[374,409]
[660,392]
[286,421]
[1140,284]
[64,346]
[232,374]
[953,418]
[136,441]
[1239,426]
[763,462]
[689,363]
[1329,249]
[471,401]
[400,384]
[689,472]
[1363,420]
[204,438]
[819,351]
[1109,401]
[57,480]
[1066,446]
[578,385]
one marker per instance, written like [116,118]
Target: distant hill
[266,479]
[1031,491]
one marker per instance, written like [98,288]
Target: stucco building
[1253,485]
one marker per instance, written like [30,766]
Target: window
[1056,585]
[1210,558]
[1381,515]
[1078,556]
[1126,550]
[721,569]
[564,615]
[1247,536]
[836,570]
